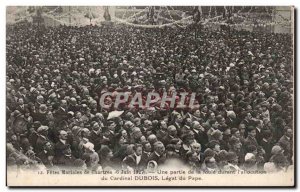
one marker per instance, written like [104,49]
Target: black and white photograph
[150,96]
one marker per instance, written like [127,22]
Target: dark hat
[266,133]
[251,128]
[209,153]
[42,128]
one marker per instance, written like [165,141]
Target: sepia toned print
[150,96]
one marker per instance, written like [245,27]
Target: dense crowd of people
[55,77]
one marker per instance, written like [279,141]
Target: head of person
[196,147]
[63,104]
[235,144]
[232,158]
[67,150]
[248,116]
[242,129]
[105,153]
[20,101]
[288,132]
[152,138]
[252,131]
[172,130]
[89,147]
[128,125]
[235,132]
[277,150]
[250,159]
[48,146]
[85,133]
[137,121]
[123,133]
[96,127]
[217,135]
[210,162]
[214,145]
[148,125]
[43,130]
[196,125]
[176,142]
[137,133]
[252,149]
[138,149]
[159,148]
[111,125]
[191,157]
[221,158]
[163,125]
[178,119]
[147,147]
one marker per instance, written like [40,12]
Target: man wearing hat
[33,135]
[42,139]
[250,162]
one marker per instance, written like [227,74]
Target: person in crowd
[90,157]
[47,155]
[243,118]
[60,145]
[158,155]
[137,160]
